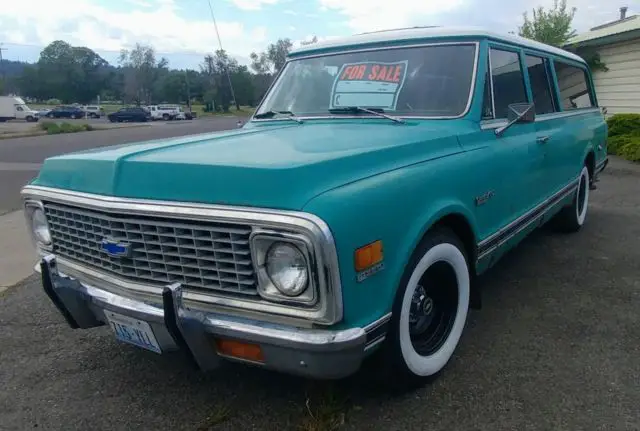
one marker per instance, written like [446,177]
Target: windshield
[431,81]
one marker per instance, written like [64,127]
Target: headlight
[37,224]
[283,263]
[40,227]
[287,269]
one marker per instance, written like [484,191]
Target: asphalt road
[20,158]
[555,347]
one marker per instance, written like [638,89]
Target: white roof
[408,34]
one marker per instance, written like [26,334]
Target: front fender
[396,207]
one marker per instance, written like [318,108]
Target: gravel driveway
[556,346]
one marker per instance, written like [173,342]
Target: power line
[226,66]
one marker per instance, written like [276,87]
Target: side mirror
[239,124]
[518,113]
[604,110]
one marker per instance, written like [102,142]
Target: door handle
[542,139]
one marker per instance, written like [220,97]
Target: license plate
[133,331]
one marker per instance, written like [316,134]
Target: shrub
[624,124]
[53,128]
[615,143]
[631,149]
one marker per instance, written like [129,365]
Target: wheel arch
[590,163]
[457,218]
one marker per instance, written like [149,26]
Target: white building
[618,45]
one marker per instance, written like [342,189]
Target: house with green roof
[617,44]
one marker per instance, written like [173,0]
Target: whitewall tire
[573,217]
[430,311]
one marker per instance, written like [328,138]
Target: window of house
[574,87]
[507,80]
[540,84]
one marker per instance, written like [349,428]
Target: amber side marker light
[369,255]
[240,350]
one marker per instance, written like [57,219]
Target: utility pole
[186,79]
[2,74]
[226,66]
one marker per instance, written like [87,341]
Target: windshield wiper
[271,114]
[375,111]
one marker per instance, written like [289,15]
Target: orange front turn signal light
[240,350]
[369,255]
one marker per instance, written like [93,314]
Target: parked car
[43,112]
[130,114]
[72,112]
[93,111]
[14,108]
[347,219]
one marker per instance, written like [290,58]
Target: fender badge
[363,275]
[483,198]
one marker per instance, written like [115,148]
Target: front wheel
[429,312]
[572,217]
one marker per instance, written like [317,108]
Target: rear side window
[540,84]
[507,80]
[573,84]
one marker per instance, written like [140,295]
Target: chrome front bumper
[323,354]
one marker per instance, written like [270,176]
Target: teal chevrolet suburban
[347,219]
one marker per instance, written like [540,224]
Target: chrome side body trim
[377,332]
[328,309]
[499,238]
[495,124]
[476,44]
[601,165]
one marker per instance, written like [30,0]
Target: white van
[14,108]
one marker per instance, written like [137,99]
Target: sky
[183,31]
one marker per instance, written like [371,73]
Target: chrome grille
[199,254]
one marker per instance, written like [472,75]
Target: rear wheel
[572,217]
[165,117]
[429,312]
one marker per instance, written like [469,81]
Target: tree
[141,72]
[215,69]
[71,74]
[272,60]
[552,26]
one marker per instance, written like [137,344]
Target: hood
[272,165]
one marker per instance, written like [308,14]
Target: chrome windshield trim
[472,87]
[330,307]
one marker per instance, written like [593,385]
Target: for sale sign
[368,85]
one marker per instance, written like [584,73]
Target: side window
[19,108]
[508,81]
[540,84]
[575,91]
